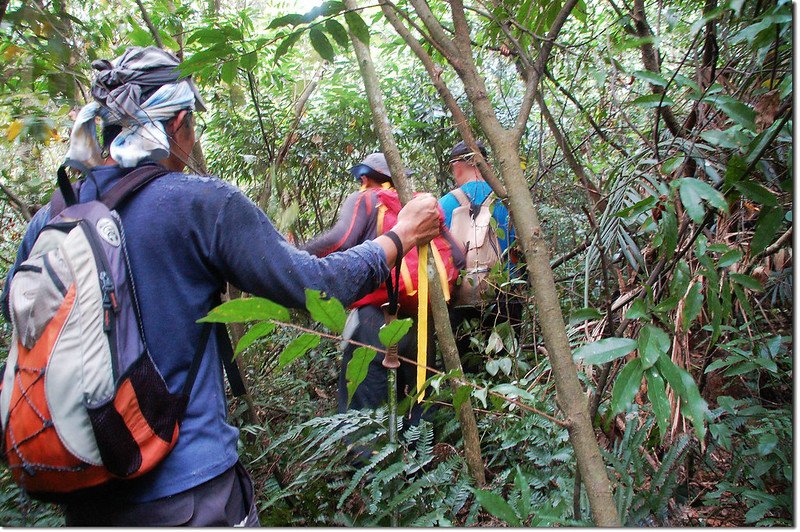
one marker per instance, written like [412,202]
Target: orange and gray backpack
[82,402]
[471,226]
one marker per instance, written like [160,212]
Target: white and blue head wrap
[119,89]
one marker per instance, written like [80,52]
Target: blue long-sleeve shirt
[186,237]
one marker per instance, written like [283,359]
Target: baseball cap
[462,152]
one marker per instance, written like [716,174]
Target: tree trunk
[444,333]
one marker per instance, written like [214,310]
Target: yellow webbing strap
[422,319]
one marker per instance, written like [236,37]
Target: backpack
[472,228]
[388,206]
[82,402]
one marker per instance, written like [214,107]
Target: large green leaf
[393,332]
[604,350]
[524,488]
[627,386]
[357,369]
[695,407]
[246,309]
[694,192]
[297,348]
[653,342]
[497,506]
[338,32]
[259,330]
[321,44]
[638,310]
[287,43]
[584,314]
[747,281]
[328,312]
[657,393]
[357,26]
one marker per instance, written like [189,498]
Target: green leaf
[297,348]
[462,394]
[249,60]
[604,350]
[672,164]
[259,330]
[321,44]
[331,7]
[742,114]
[584,314]
[637,208]
[292,19]
[692,306]
[746,281]
[693,192]
[757,192]
[229,70]
[638,310]
[627,386]
[649,101]
[357,369]
[140,37]
[769,221]
[357,26]
[653,342]
[393,332]
[286,44]
[729,257]
[497,506]
[657,393]
[338,32]
[651,77]
[757,512]
[328,312]
[667,368]
[668,229]
[696,408]
[718,138]
[246,309]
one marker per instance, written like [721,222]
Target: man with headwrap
[187,236]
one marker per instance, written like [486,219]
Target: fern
[374,460]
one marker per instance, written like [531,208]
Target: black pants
[225,500]
[373,391]
[505,308]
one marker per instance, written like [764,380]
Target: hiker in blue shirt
[474,191]
[187,237]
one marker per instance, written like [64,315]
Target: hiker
[187,236]
[364,215]
[481,225]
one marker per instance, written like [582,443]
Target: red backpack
[388,207]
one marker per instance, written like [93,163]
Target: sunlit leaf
[604,350]
[657,394]
[257,331]
[653,100]
[328,312]
[297,348]
[694,192]
[247,309]
[393,332]
[357,369]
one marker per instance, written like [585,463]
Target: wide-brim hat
[374,163]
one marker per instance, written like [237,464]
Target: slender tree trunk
[444,333]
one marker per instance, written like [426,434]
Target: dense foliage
[659,156]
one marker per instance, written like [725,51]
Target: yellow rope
[422,318]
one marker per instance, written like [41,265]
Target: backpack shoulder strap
[460,196]
[132,183]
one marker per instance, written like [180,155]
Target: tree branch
[149,24]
